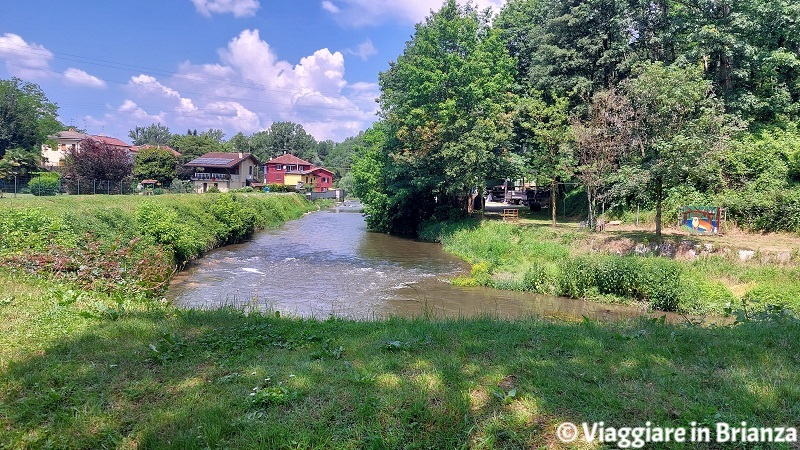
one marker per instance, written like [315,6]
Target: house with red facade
[289,170]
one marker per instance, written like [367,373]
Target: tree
[600,140]
[285,137]
[240,143]
[27,117]
[340,157]
[19,162]
[567,48]
[97,161]
[155,163]
[155,134]
[545,131]
[678,128]
[448,107]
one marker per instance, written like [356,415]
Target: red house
[289,170]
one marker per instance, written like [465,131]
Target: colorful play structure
[702,219]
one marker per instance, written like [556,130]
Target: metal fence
[44,185]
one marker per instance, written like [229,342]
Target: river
[327,263]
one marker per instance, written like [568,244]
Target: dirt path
[735,239]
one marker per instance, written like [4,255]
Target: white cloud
[81,78]
[138,115]
[374,12]
[327,5]
[23,59]
[249,88]
[364,50]
[239,8]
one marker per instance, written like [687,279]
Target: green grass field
[78,370]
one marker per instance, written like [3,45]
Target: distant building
[289,170]
[225,171]
[71,139]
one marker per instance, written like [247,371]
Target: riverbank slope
[683,273]
[131,245]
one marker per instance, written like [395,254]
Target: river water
[327,263]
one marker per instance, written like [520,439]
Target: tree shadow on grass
[184,379]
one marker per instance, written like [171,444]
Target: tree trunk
[659,194]
[553,200]
[590,219]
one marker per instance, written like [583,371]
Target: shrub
[577,277]
[213,190]
[45,184]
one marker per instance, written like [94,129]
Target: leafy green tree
[240,143]
[155,163]
[340,157]
[567,48]
[27,117]
[155,134]
[448,107]
[678,129]
[19,162]
[545,131]
[285,137]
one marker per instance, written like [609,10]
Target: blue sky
[238,65]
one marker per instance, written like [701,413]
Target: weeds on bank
[558,262]
[131,245]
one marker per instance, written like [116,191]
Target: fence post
[108,183]
[15,186]
[94,186]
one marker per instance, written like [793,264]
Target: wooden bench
[511,215]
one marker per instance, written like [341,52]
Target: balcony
[209,176]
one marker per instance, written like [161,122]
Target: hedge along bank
[132,245]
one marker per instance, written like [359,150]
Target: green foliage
[27,117]
[18,162]
[155,163]
[154,134]
[213,190]
[282,137]
[281,188]
[447,108]
[45,184]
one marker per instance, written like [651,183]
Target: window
[278,167]
[250,170]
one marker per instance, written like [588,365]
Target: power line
[238,99]
[135,68]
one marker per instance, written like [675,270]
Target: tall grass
[132,244]
[558,262]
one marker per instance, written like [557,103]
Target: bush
[45,184]
[213,190]
[281,188]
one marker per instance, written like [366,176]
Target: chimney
[241,155]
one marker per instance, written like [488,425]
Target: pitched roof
[288,159]
[110,141]
[136,148]
[317,169]
[71,134]
[221,160]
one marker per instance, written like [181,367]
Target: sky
[235,65]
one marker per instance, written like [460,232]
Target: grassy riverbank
[565,261]
[80,370]
[130,245]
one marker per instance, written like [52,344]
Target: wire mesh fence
[47,184]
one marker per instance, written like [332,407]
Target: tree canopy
[27,117]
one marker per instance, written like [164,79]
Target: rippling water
[327,263]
